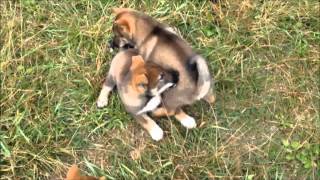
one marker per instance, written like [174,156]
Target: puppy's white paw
[102,102]
[156,133]
[188,122]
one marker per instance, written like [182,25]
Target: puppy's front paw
[156,133]
[188,122]
[102,102]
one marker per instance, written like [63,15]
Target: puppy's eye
[161,77]
[142,85]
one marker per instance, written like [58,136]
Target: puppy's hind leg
[162,111]
[107,87]
[186,120]
[151,126]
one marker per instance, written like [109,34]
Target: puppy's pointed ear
[73,173]
[126,24]
[117,11]
[138,58]
[137,61]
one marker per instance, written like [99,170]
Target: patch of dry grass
[265,124]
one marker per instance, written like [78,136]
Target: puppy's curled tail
[204,77]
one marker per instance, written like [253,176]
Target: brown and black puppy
[133,78]
[157,43]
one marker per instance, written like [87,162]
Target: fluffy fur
[74,174]
[133,79]
[157,44]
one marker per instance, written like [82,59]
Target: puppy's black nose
[149,95]
[112,44]
[128,46]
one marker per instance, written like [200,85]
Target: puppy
[134,78]
[162,46]
[74,174]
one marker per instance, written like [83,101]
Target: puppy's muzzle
[113,44]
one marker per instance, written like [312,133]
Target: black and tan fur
[133,78]
[157,44]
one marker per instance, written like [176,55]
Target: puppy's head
[158,77]
[139,79]
[123,27]
[148,78]
[74,174]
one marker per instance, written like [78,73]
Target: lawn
[265,124]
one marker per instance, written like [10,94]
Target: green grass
[265,124]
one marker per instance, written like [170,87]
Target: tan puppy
[74,174]
[133,78]
[159,45]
